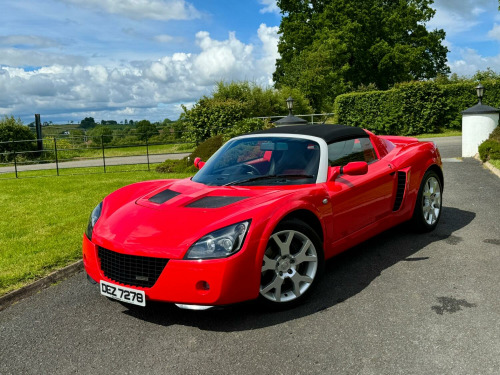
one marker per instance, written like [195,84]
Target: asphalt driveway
[400,303]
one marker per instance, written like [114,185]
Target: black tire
[292,270]
[428,206]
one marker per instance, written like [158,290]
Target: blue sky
[135,59]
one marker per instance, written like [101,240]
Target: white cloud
[269,6]
[458,16]
[163,10]
[471,61]
[144,88]
[495,32]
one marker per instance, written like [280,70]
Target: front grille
[131,269]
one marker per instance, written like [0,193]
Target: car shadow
[345,276]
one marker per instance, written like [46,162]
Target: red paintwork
[355,168]
[363,204]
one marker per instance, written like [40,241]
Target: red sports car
[260,217]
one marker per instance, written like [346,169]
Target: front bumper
[230,280]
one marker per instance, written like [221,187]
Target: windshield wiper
[269,177]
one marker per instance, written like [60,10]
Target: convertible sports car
[260,217]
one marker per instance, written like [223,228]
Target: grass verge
[495,163]
[43,220]
[447,133]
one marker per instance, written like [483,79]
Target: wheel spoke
[302,254]
[276,285]
[284,246]
[297,280]
[268,264]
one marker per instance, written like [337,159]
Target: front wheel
[292,264]
[429,203]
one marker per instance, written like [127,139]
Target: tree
[146,130]
[101,134]
[87,123]
[12,130]
[332,47]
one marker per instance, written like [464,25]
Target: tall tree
[328,47]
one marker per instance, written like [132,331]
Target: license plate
[121,293]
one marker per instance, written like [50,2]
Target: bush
[246,126]
[490,149]
[234,102]
[210,117]
[414,107]
[204,151]
[101,134]
[13,131]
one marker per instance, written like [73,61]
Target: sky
[143,59]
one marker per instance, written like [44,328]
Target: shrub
[247,126]
[489,149]
[210,117]
[15,137]
[234,102]
[101,134]
[204,151]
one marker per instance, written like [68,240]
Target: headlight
[220,243]
[96,213]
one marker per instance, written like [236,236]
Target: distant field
[44,219]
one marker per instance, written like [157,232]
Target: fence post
[312,119]
[15,163]
[57,161]
[147,148]
[103,157]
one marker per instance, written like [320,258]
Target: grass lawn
[82,170]
[447,133]
[110,151]
[43,219]
[495,163]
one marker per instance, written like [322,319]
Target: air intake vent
[163,196]
[131,270]
[214,202]
[400,193]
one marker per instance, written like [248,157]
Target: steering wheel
[249,169]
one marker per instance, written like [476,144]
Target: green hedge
[413,108]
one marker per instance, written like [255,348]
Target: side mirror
[198,163]
[355,168]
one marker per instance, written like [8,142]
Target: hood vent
[214,202]
[163,196]
[400,193]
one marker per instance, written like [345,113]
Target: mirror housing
[355,168]
[198,163]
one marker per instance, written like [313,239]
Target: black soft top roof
[330,133]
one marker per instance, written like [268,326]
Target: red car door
[358,201]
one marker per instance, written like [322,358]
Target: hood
[167,220]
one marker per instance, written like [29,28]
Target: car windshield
[262,161]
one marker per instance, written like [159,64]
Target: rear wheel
[428,206]
[292,264]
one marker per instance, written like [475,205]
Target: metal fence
[73,154]
[313,118]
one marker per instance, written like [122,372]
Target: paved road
[98,162]
[400,303]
